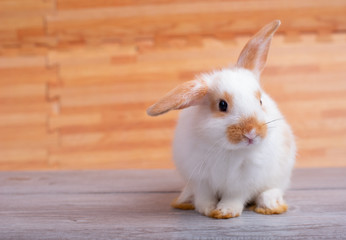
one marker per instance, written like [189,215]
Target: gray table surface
[132,204]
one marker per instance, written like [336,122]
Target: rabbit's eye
[223,106]
[261,102]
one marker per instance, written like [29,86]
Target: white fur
[225,176]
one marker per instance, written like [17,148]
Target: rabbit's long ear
[183,96]
[254,55]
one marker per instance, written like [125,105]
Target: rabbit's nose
[251,135]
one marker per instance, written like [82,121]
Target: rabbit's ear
[254,55]
[183,96]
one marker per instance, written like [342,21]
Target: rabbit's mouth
[250,141]
[248,130]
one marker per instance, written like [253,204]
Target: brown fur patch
[185,95]
[267,211]
[214,103]
[183,205]
[235,133]
[216,213]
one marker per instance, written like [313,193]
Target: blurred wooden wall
[76,76]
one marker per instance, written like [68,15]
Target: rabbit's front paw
[270,202]
[182,205]
[226,210]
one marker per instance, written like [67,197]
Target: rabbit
[232,145]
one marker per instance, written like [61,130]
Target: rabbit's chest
[236,175]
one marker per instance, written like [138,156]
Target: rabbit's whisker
[278,119]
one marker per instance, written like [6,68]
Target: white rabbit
[232,145]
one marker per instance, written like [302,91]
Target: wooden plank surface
[136,205]
[76,76]
[133,204]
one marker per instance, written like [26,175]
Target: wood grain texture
[127,204]
[76,76]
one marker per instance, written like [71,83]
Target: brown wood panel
[77,76]
[27,75]
[27,6]
[198,18]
